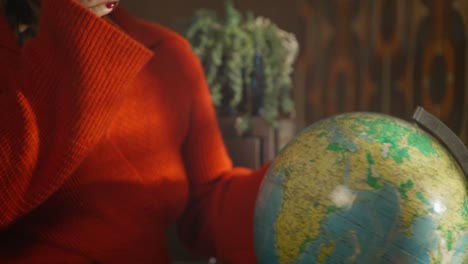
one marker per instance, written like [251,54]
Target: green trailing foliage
[228,48]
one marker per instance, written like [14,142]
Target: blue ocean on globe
[365,229]
[361,233]
[272,196]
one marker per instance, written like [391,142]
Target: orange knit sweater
[109,136]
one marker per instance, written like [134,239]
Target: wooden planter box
[260,144]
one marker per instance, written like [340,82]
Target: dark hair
[23,17]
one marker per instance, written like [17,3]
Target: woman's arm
[219,217]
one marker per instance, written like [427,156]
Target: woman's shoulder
[162,33]
[150,34]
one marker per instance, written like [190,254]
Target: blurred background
[354,55]
[369,55]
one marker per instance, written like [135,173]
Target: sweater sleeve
[56,101]
[219,217]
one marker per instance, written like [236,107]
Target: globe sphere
[362,188]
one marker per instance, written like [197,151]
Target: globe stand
[437,128]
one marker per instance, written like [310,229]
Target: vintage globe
[362,188]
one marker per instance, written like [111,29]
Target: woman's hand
[100,7]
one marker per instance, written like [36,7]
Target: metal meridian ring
[437,128]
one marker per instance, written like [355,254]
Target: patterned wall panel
[387,65]
[386,56]
[440,62]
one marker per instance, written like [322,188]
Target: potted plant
[248,63]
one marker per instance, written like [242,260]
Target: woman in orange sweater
[107,137]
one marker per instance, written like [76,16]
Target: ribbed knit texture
[108,137]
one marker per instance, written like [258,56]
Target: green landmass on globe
[363,188]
